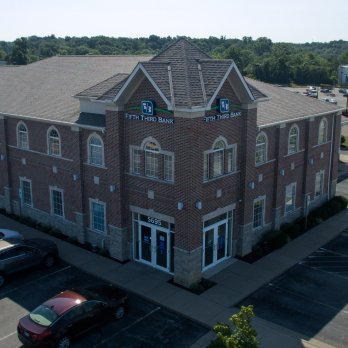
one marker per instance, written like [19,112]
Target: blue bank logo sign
[147,108]
[224,105]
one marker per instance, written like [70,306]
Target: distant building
[177,162]
[343,75]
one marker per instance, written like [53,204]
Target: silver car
[6,234]
[17,255]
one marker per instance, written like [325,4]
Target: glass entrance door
[145,244]
[154,246]
[215,244]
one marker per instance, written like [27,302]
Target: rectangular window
[168,168]
[290,197]
[136,161]
[231,160]
[26,194]
[97,215]
[218,160]
[206,166]
[319,183]
[259,212]
[57,205]
[151,163]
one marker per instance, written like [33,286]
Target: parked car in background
[311,89]
[343,90]
[5,234]
[332,101]
[345,94]
[56,322]
[325,90]
[332,95]
[17,255]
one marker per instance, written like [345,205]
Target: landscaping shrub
[275,239]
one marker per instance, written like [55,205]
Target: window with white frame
[98,216]
[57,202]
[22,136]
[220,160]
[261,149]
[26,192]
[293,140]
[259,212]
[322,138]
[53,142]
[290,198]
[319,184]
[151,161]
[95,150]
[168,168]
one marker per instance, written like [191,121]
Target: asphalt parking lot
[146,324]
[311,297]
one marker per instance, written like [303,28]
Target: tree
[242,336]
[19,54]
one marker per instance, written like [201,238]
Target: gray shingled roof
[44,89]
[184,59]
[102,88]
[285,105]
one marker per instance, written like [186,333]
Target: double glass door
[214,244]
[154,246]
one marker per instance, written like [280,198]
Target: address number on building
[154,221]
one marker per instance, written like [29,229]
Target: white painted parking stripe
[34,281]
[127,327]
[7,336]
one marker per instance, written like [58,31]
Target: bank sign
[148,112]
[223,106]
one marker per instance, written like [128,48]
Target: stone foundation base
[188,266]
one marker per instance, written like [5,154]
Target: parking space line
[127,327]
[34,281]
[7,336]
[309,299]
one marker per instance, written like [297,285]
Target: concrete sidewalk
[234,282]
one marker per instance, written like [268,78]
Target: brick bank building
[178,161]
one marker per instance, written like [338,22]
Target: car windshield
[43,315]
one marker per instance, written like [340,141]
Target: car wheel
[49,261]
[119,313]
[64,342]
[2,280]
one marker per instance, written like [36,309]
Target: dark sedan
[17,255]
[71,313]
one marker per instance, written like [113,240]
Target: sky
[295,21]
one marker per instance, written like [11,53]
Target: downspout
[330,168]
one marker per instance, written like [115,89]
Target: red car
[69,314]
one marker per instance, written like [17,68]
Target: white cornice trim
[333,112]
[46,120]
[131,77]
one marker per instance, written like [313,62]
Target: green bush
[343,139]
[275,239]
[293,230]
[243,334]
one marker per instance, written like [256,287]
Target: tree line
[281,63]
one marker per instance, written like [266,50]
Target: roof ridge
[187,80]
[183,39]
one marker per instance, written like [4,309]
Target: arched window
[95,150]
[22,136]
[152,159]
[261,149]
[53,141]
[293,140]
[220,159]
[322,138]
